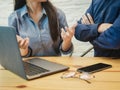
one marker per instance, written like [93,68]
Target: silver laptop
[11,59]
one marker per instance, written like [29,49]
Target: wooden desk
[105,80]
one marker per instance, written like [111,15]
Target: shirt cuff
[29,53]
[68,52]
[94,29]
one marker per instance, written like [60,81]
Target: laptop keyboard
[32,69]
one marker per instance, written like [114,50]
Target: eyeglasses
[73,74]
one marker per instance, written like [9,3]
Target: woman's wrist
[27,52]
[66,45]
[24,52]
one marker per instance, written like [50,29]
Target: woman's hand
[67,35]
[23,45]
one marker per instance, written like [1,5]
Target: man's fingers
[90,18]
[85,19]
[82,21]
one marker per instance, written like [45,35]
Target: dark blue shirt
[106,44]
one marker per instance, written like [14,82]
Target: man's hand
[103,27]
[87,19]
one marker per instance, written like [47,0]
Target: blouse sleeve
[62,24]
[12,21]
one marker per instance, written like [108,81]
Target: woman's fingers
[68,33]
[74,26]
[18,38]
[23,43]
[62,33]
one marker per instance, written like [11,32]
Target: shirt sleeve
[85,32]
[13,22]
[109,39]
[62,19]
[63,24]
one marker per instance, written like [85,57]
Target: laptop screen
[10,57]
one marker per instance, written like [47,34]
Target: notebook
[11,59]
